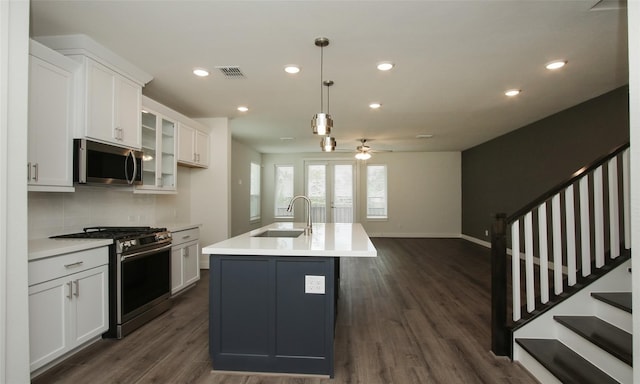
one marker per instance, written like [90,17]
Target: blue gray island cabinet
[273,294]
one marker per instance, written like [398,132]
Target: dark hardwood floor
[419,313]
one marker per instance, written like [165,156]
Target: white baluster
[544,253]
[528,261]
[557,244]
[515,269]
[627,204]
[614,216]
[570,219]
[598,216]
[585,238]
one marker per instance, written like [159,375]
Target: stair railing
[580,222]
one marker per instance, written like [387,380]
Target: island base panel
[263,320]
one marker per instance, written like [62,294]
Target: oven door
[145,280]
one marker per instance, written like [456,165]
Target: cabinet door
[128,97]
[186,145]
[100,103]
[176,269]
[90,309]
[167,154]
[202,148]
[149,145]
[191,264]
[50,114]
[48,304]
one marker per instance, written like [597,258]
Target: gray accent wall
[506,173]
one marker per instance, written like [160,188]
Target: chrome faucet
[308,230]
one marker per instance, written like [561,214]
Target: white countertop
[328,240]
[41,248]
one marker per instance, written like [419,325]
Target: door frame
[329,191]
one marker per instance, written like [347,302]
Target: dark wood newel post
[500,343]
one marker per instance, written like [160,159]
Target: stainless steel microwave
[98,163]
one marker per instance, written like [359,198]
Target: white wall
[633,9]
[14,309]
[210,196]
[241,158]
[424,191]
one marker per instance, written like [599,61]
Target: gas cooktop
[110,232]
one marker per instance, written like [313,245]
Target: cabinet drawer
[187,235]
[57,266]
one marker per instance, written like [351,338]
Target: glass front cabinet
[159,165]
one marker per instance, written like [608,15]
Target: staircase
[569,286]
[586,338]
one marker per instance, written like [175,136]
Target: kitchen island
[273,294]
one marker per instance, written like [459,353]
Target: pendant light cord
[321,79]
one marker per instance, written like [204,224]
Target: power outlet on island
[314,284]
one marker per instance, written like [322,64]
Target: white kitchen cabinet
[50,129]
[185,259]
[108,92]
[112,106]
[159,165]
[68,303]
[193,147]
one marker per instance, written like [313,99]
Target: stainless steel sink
[280,233]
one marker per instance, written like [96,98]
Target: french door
[331,187]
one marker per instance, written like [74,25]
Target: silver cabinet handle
[77,284]
[29,171]
[70,290]
[186,252]
[186,237]
[73,265]
[35,167]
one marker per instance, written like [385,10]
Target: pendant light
[321,122]
[328,143]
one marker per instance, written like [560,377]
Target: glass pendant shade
[328,144]
[363,155]
[322,123]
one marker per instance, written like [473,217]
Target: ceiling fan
[363,151]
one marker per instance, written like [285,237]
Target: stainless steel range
[139,274]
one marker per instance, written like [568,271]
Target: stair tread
[620,300]
[562,362]
[606,336]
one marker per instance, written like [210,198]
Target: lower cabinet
[70,310]
[185,259]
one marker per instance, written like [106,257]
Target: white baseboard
[486,244]
[415,235]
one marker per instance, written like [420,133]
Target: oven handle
[145,253]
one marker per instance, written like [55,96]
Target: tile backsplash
[60,213]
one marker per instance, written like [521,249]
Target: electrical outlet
[314,284]
[486,232]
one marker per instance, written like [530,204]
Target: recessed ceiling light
[200,72]
[243,108]
[385,66]
[424,136]
[556,64]
[513,92]
[375,105]
[291,68]
[286,138]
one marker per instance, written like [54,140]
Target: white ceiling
[454,60]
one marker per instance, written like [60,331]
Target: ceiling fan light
[322,124]
[363,155]
[328,144]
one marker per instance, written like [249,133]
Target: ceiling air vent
[231,72]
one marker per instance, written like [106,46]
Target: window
[254,193]
[283,190]
[376,191]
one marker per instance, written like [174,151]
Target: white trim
[414,235]
[484,243]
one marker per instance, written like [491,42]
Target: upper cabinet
[193,147]
[51,120]
[113,106]
[159,165]
[109,91]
